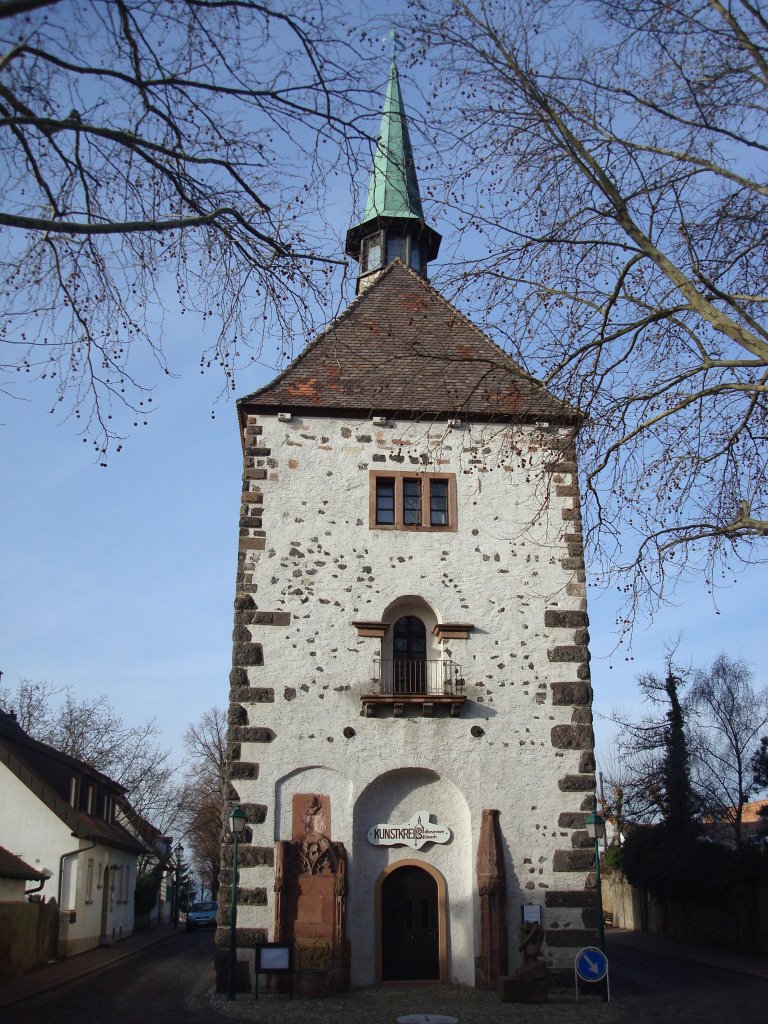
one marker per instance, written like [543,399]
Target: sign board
[274,957]
[414,833]
[531,913]
[591,964]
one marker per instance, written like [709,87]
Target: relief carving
[311,891]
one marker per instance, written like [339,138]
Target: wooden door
[410,948]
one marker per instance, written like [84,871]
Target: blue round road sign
[591,964]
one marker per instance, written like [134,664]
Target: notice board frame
[279,960]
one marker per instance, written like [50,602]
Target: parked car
[202,915]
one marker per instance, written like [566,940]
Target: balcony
[426,684]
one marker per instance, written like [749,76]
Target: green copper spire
[394,188]
[393,226]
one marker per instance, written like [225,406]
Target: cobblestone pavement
[385,1004]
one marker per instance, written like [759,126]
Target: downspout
[62,858]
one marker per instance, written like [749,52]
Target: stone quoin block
[244,770]
[556,618]
[571,737]
[591,918]
[573,860]
[256,897]
[247,856]
[247,654]
[571,819]
[577,783]
[256,814]
[587,762]
[253,694]
[245,938]
[251,734]
[564,694]
[252,544]
[237,715]
[568,653]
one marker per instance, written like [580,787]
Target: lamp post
[179,851]
[236,825]
[595,826]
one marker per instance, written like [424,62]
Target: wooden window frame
[399,476]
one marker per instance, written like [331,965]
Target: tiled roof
[402,349]
[12,866]
[46,772]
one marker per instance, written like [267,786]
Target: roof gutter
[39,886]
[62,858]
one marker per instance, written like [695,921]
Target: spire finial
[393,38]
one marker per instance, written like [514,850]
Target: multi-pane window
[402,501]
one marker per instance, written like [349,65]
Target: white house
[58,816]
[410,727]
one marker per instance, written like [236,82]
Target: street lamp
[237,821]
[595,826]
[179,851]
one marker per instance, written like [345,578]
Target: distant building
[410,726]
[58,816]
[754,825]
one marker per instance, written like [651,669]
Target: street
[163,984]
[167,983]
[651,989]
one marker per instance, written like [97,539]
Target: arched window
[409,651]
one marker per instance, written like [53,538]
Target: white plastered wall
[500,570]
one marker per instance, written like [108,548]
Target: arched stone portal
[394,797]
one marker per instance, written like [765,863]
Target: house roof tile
[402,349]
[12,866]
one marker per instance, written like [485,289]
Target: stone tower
[409,726]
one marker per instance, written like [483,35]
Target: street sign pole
[591,966]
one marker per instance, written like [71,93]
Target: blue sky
[121,581]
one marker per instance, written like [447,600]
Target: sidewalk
[50,976]
[755,965]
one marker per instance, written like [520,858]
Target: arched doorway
[409,650]
[411,923]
